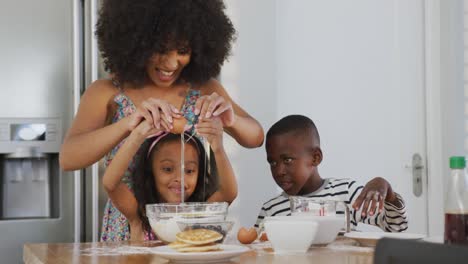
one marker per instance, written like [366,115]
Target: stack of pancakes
[196,240]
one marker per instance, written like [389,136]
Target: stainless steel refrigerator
[48,55]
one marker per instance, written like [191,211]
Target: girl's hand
[214,105]
[143,130]
[212,130]
[375,192]
[158,112]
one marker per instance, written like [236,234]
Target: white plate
[369,239]
[434,239]
[227,252]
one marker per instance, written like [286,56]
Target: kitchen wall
[453,102]
[452,82]
[357,69]
[250,78]
[256,73]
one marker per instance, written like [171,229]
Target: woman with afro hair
[163,56]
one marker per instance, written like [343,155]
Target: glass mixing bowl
[163,217]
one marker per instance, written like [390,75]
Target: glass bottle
[456,204]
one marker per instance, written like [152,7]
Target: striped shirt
[391,219]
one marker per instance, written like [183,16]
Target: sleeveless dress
[115,226]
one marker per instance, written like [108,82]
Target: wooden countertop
[341,251]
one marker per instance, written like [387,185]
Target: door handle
[417,168]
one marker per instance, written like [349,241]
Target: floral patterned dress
[114,224]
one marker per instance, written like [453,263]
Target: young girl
[158,177]
[163,56]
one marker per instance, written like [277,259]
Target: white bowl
[290,236]
[328,226]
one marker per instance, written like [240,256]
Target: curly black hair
[129,32]
[144,186]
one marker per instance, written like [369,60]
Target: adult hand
[212,130]
[373,195]
[158,112]
[214,105]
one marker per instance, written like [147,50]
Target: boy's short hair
[299,124]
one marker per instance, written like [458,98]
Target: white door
[357,69]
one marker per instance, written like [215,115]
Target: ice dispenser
[29,168]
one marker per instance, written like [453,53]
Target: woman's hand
[157,112]
[214,105]
[375,192]
[212,130]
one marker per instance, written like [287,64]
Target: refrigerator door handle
[94,76]
[77,88]
[80,7]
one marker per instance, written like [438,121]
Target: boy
[293,152]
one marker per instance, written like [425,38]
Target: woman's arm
[237,122]
[212,130]
[88,139]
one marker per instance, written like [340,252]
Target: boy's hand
[156,111]
[212,130]
[375,192]
[214,105]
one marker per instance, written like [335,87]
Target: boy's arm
[261,217]
[279,205]
[374,194]
[394,217]
[394,198]
[390,219]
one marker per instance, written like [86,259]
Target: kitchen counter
[341,251]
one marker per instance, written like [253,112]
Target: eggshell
[263,237]
[246,236]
